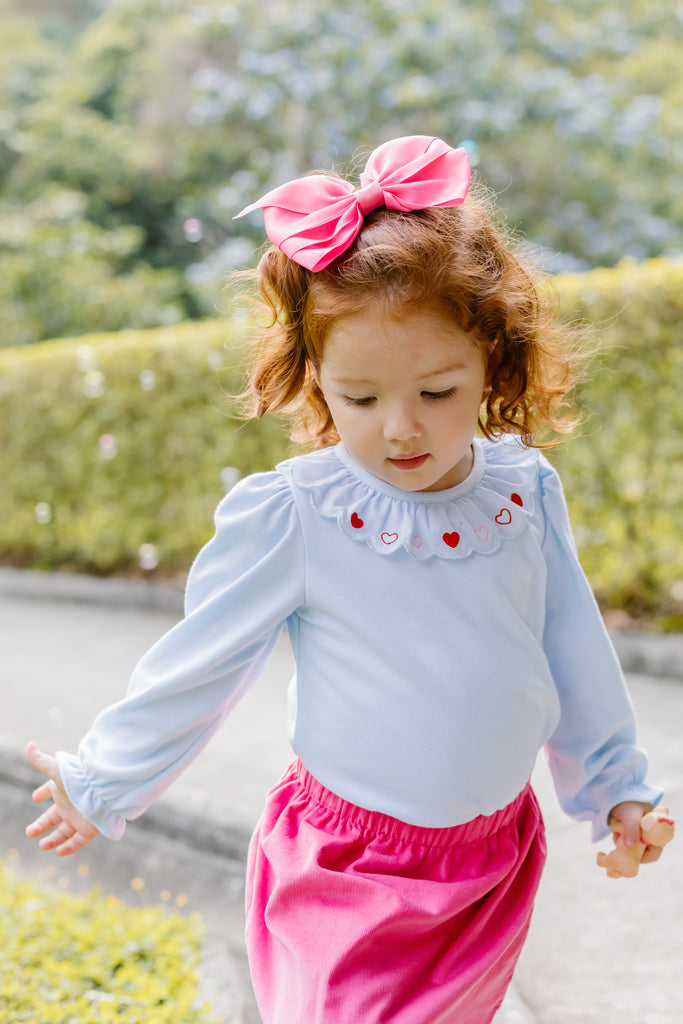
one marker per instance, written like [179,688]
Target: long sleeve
[592,754]
[242,587]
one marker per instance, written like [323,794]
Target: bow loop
[314,219]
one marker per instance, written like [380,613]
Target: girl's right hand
[71,830]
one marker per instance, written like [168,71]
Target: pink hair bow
[316,218]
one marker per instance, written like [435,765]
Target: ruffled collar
[492,505]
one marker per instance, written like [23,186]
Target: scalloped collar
[490,506]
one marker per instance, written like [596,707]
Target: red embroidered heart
[356,521]
[452,539]
[389,538]
[517,500]
[504,517]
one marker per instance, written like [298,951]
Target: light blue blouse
[441,640]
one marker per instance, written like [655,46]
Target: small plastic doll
[656,829]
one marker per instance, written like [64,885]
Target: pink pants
[354,917]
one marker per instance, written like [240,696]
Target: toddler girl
[443,631]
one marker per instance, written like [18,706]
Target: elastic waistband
[378,824]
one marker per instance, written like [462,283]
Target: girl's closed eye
[349,400]
[448,393]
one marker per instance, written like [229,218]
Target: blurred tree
[59,20]
[26,60]
[160,120]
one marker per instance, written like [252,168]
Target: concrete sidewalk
[599,951]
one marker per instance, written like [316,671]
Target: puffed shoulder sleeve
[592,754]
[241,589]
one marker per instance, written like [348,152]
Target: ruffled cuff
[83,796]
[642,793]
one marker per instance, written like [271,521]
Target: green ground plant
[118,443]
[72,959]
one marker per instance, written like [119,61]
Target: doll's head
[455,263]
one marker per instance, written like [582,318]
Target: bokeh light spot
[43,512]
[148,556]
[108,446]
[229,477]
[93,384]
[194,229]
[472,148]
[86,358]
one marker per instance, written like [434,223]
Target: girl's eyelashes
[448,393]
[348,400]
[369,399]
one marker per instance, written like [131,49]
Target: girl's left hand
[629,814]
[64,829]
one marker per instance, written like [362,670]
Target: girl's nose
[401,423]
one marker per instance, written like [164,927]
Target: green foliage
[624,474]
[159,120]
[43,289]
[113,442]
[70,959]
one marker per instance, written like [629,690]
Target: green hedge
[113,442]
[623,474]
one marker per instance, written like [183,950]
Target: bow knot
[370,197]
[313,220]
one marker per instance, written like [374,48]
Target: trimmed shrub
[623,474]
[113,443]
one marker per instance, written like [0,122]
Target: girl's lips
[413,462]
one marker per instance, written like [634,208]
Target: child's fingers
[625,819]
[630,835]
[44,823]
[58,835]
[44,792]
[61,834]
[66,840]
[73,845]
[63,829]
[42,762]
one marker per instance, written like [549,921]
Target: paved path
[600,951]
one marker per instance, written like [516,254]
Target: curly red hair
[458,261]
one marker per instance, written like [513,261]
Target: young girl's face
[405,393]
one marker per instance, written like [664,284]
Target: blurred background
[132,131]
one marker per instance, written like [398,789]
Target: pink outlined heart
[388,538]
[482,533]
[416,540]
